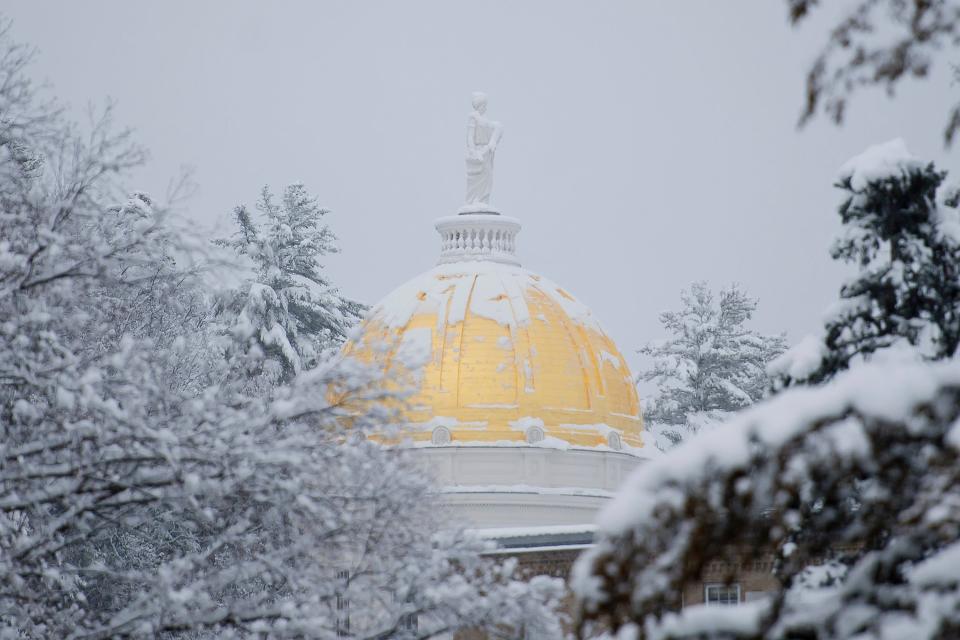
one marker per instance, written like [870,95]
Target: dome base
[501,486]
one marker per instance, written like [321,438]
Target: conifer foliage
[712,363]
[878,43]
[849,490]
[288,308]
[901,232]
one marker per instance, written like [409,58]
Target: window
[613,440]
[721,594]
[409,622]
[441,435]
[343,605]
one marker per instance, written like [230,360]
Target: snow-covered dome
[510,355]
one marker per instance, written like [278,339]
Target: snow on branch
[863,472]
[153,482]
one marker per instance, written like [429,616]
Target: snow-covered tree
[853,486]
[145,492]
[901,231]
[288,309]
[163,298]
[878,43]
[712,363]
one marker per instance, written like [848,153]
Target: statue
[483,136]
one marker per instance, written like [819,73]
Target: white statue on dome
[483,136]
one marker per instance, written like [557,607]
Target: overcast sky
[647,144]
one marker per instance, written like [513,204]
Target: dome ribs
[442,330]
[561,317]
[487,317]
[592,355]
[463,326]
[514,329]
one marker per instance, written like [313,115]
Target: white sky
[647,144]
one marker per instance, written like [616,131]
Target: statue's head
[479,101]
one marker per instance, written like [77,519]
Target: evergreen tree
[711,364]
[289,310]
[776,486]
[904,241]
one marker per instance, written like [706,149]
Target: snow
[875,390]
[524,423]
[940,569]
[528,385]
[434,423]
[479,207]
[444,421]
[606,356]
[554,443]
[512,551]
[889,159]
[953,436]
[549,442]
[704,620]
[485,289]
[600,427]
[415,347]
[530,531]
[526,488]
[154,479]
[275,335]
[800,360]
[710,364]
[948,224]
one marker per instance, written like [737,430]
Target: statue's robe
[480,171]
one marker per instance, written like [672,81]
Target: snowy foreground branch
[231,518]
[854,487]
[878,43]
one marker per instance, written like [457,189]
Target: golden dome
[510,356]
